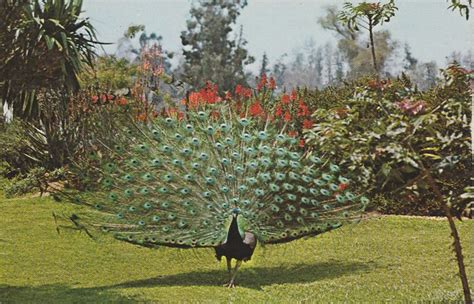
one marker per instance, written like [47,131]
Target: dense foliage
[209,51]
[388,134]
[43,44]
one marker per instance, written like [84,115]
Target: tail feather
[175,182]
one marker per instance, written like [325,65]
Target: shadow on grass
[58,294]
[256,277]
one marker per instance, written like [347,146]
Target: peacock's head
[235,212]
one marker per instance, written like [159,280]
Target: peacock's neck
[234,233]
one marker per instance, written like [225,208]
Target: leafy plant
[43,44]
[417,148]
[367,15]
[462,5]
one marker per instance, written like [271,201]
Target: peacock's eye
[202,115]
[210,130]
[327,177]
[325,192]
[265,149]
[281,138]
[262,135]
[203,156]
[274,187]
[244,122]
[195,141]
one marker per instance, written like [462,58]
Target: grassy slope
[391,258]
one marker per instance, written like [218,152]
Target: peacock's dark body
[213,179]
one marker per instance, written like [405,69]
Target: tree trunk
[372,47]
[456,240]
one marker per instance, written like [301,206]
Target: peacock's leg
[229,266]
[234,274]
[229,269]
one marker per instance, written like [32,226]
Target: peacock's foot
[231,284]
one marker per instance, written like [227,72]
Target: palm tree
[43,45]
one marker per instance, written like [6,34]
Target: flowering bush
[290,111]
[389,135]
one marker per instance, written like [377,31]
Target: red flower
[272,84]
[262,83]
[247,92]
[292,133]
[255,109]
[293,95]
[287,117]
[285,99]
[103,98]
[95,98]
[302,109]
[122,101]
[278,111]
[238,89]
[141,116]
[243,92]
[409,107]
[342,187]
[194,100]
[228,95]
[307,124]
[302,142]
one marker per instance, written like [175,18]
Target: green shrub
[388,135]
[37,180]
[15,152]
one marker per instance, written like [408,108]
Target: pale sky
[281,26]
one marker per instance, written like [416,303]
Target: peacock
[212,177]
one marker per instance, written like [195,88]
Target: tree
[353,49]
[210,53]
[465,60]
[329,62]
[361,55]
[462,5]
[264,67]
[43,44]
[279,71]
[126,50]
[339,66]
[410,61]
[367,16]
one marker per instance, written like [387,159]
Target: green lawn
[384,259]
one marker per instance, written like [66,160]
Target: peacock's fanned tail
[174,182]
